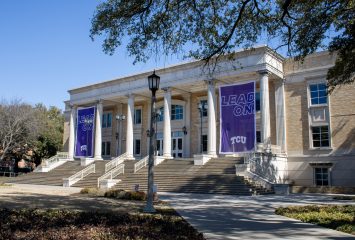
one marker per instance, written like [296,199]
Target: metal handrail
[115,162]
[55,158]
[111,174]
[80,175]
[141,164]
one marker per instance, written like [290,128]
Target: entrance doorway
[160,145]
[176,147]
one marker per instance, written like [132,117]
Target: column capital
[99,101]
[166,89]
[130,95]
[263,72]
[211,81]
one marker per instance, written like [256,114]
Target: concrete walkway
[235,217]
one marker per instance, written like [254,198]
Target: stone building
[314,133]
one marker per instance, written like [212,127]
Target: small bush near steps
[337,217]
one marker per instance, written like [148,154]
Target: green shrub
[122,194]
[341,218]
[93,191]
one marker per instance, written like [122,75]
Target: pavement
[250,217]
[216,216]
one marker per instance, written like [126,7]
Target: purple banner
[85,132]
[237,118]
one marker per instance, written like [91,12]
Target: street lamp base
[149,208]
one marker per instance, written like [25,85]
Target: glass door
[177,147]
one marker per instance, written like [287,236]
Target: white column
[264,107]
[280,115]
[187,116]
[212,130]
[167,125]
[129,131]
[98,134]
[72,133]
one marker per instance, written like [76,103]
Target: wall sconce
[184,130]
[148,133]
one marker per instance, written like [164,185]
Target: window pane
[316,144]
[315,130]
[316,137]
[108,148]
[109,120]
[137,147]
[313,87]
[103,125]
[325,143]
[103,148]
[318,93]
[322,100]
[324,128]
[314,101]
[257,101]
[138,116]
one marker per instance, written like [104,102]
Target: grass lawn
[337,217]
[69,224]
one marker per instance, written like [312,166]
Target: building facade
[315,132]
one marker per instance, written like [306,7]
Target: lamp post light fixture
[202,106]
[119,119]
[153,83]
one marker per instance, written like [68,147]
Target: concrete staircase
[53,178]
[217,176]
[91,179]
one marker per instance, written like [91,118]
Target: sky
[45,50]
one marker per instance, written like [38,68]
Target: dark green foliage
[122,194]
[65,224]
[50,137]
[207,29]
[341,218]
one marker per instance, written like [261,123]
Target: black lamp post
[153,83]
[202,106]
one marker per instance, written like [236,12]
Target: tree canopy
[207,29]
[24,127]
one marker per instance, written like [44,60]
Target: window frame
[314,108]
[135,114]
[322,174]
[320,137]
[135,145]
[174,114]
[106,145]
[104,120]
[318,97]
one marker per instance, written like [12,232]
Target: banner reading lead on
[85,132]
[237,118]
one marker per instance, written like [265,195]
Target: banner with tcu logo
[85,126]
[237,118]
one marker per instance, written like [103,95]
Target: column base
[213,155]
[167,156]
[129,158]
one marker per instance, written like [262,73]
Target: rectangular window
[320,136]
[106,120]
[138,116]
[257,101]
[106,148]
[160,114]
[137,147]
[318,93]
[258,136]
[204,143]
[177,112]
[204,111]
[321,176]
